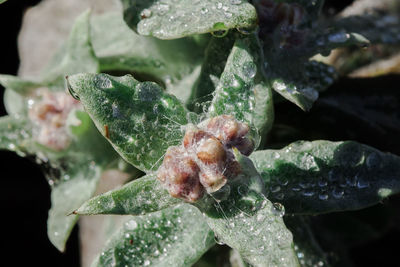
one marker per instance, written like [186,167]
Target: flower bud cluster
[205,161]
[49,112]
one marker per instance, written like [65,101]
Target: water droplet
[219,34]
[249,69]
[219,5]
[146,13]
[361,183]
[146,263]
[162,9]
[323,196]
[337,193]
[308,193]
[102,81]
[131,225]
[218,240]
[204,10]
[147,92]
[322,183]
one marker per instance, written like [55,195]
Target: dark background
[26,194]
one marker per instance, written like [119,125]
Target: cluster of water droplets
[168,12]
[323,183]
[149,240]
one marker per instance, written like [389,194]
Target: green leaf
[173,237]
[242,90]
[322,176]
[79,55]
[123,50]
[2,1]
[139,119]
[244,219]
[78,184]
[171,19]
[140,196]
[19,85]
[14,134]
[216,54]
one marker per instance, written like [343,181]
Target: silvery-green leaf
[216,54]
[243,91]
[169,19]
[143,195]
[138,119]
[121,49]
[176,236]
[77,184]
[243,218]
[322,176]
[2,1]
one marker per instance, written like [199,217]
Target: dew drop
[235,2]
[323,196]
[219,34]
[249,69]
[146,13]
[204,11]
[337,193]
[218,240]
[102,81]
[131,225]
[361,183]
[308,193]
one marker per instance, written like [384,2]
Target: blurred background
[26,194]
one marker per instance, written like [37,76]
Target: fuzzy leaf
[14,134]
[78,184]
[140,196]
[244,219]
[216,54]
[169,19]
[242,90]
[138,119]
[322,176]
[79,55]
[123,50]
[176,236]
